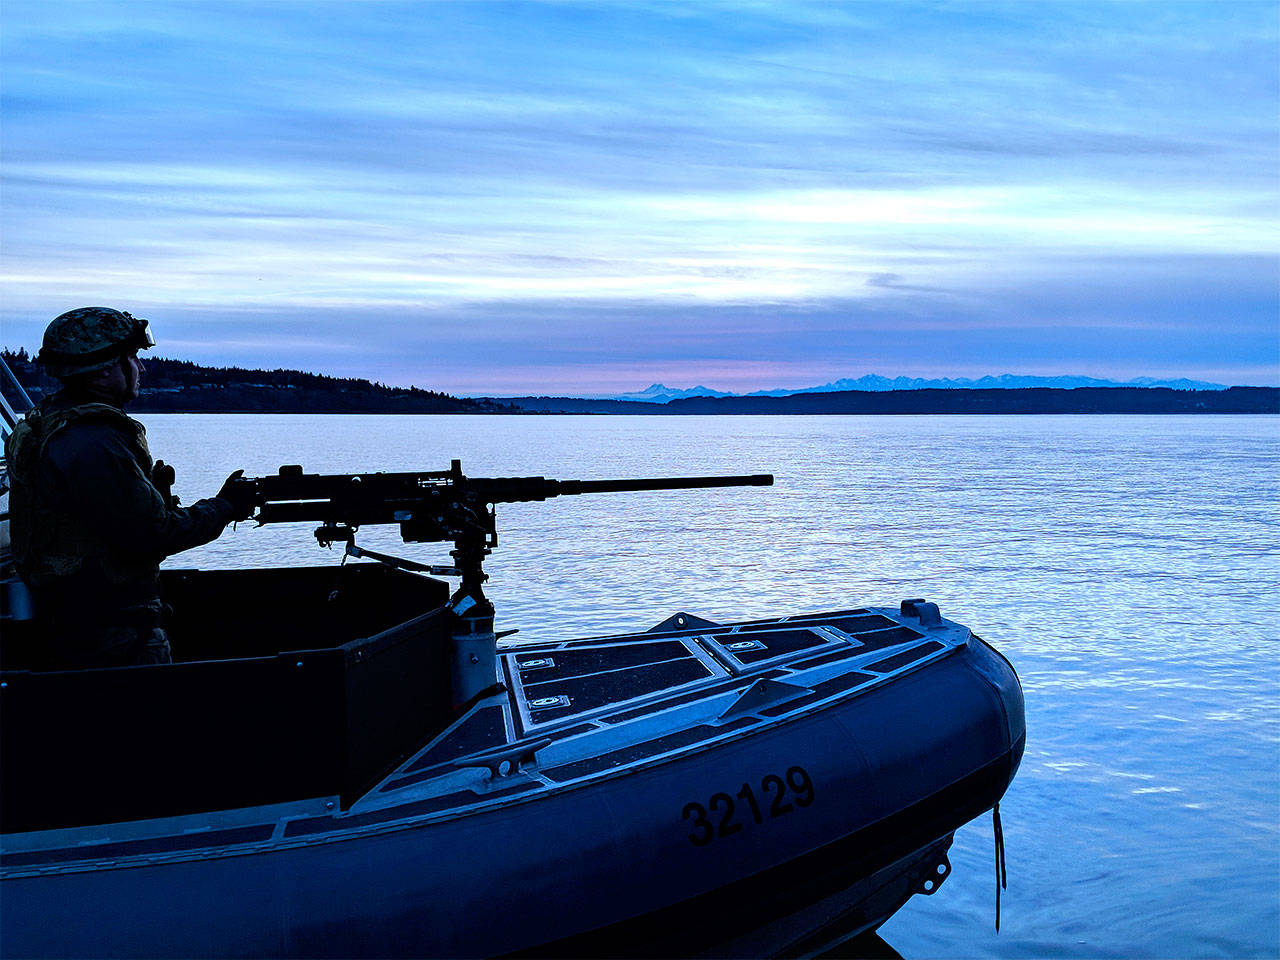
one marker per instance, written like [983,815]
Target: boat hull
[725,848]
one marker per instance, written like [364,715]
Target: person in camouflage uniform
[90,515]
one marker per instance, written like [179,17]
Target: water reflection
[1129,566]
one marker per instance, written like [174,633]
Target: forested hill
[179,386]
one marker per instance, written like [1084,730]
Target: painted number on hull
[777,797]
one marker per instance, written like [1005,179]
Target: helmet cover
[91,338]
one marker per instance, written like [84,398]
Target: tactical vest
[48,544]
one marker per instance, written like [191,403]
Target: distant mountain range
[660,393]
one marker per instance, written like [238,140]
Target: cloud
[439,167]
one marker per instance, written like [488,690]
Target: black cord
[1002,880]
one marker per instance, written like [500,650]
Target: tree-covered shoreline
[180,386]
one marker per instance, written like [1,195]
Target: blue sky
[589,197]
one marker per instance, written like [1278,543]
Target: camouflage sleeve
[104,485]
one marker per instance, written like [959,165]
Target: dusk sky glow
[584,198]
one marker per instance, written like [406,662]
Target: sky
[585,198]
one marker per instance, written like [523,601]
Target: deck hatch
[545,667]
[771,643]
[536,663]
[548,702]
[601,689]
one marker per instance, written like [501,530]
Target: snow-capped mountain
[659,393]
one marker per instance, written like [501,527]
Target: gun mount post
[473,656]
[444,506]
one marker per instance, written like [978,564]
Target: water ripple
[1127,565]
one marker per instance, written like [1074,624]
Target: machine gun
[437,506]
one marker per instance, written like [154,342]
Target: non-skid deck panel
[782,642]
[878,639]
[889,664]
[702,693]
[843,653]
[776,643]
[435,770]
[315,825]
[577,663]
[849,624]
[602,689]
[137,848]
[639,751]
[480,731]
[871,633]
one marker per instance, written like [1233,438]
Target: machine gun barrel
[437,505]
[573,487]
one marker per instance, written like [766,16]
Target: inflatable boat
[346,761]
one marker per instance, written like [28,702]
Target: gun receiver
[436,505]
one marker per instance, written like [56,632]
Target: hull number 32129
[778,796]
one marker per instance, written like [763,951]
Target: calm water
[1128,566]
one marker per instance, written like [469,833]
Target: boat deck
[686,682]
[563,714]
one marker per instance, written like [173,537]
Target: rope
[1002,880]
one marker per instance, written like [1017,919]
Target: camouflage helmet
[91,338]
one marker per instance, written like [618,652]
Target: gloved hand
[163,475]
[241,494]
[162,478]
